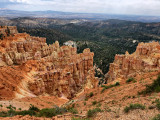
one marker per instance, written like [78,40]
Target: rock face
[8,30]
[48,70]
[145,58]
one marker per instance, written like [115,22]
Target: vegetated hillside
[51,34]
[38,22]
[104,38]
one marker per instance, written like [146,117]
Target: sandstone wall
[53,70]
[145,58]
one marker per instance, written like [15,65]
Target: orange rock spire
[46,69]
[145,58]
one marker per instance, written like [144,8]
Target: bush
[151,107]
[11,112]
[34,111]
[88,96]
[73,111]
[133,106]
[154,87]
[50,112]
[94,102]
[91,113]
[3,114]
[33,108]
[110,86]
[157,103]
[47,112]
[157,117]
[130,80]
[60,110]
[98,105]
[26,112]
[117,84]
[103,90]
[91,94]
[1,36]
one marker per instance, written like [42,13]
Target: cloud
[139,7]
[20,1]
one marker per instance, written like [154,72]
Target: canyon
[29,67]
[32,72]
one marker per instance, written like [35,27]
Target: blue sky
[137,7]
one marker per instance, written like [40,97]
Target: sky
[129,7]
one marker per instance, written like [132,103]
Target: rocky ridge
[41,69]
[145,58]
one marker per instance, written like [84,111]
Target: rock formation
[46,69]
[145,58]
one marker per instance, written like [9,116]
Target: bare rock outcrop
[145,58]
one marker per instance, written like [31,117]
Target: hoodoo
[145,58]
[30,67]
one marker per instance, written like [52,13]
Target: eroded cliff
[30,67]
[145,58]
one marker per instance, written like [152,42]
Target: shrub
[130,80]
[34,111]
[60,110]
[94,102]
[1,36]
[73,111]
[34,108]
[91,94]
[91,113]
[117,83]
[157,117]
[88,96]
[157,103]
[133,106]
[26,112]
[50,112]
[3,114]
[151,107]
[98,105]
[110,86]
[103,90]
[47,112]
[154,87]
[11,111]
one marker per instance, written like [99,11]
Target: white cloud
[146,7]
[20,1]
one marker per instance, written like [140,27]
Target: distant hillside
[71,15]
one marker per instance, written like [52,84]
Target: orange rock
[145,58]
[47,70]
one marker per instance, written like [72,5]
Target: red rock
[51,70]
[145,58]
